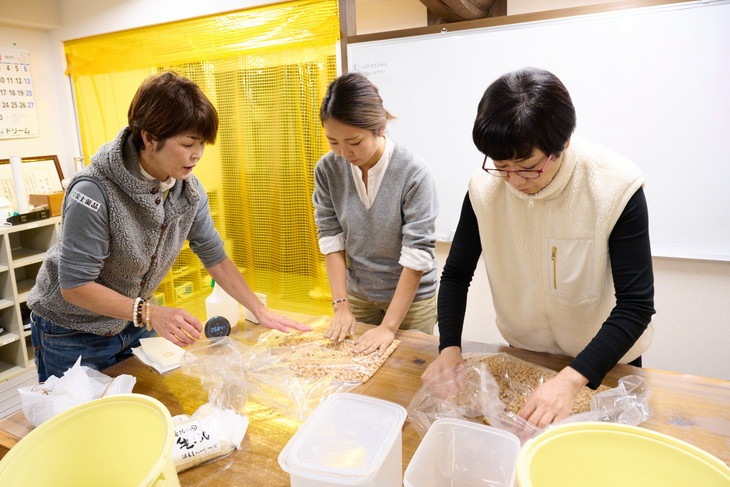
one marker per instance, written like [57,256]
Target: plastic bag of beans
[493,388]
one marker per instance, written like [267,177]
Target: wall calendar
[18,118]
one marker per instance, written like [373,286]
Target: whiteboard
[652,84]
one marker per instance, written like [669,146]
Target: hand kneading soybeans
[517,379]
[312,356]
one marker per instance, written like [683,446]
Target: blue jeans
[56,348]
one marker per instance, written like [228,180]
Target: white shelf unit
[22,250]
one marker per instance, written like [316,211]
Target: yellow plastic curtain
[266,70]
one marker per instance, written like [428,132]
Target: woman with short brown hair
[126,216]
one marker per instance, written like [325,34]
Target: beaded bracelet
[140,313]
[134,311]
[341,300]
[137,313]
[147,321]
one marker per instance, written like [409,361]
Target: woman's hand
[343,323]
[269,319]
[227,275]
[175,324]
[374,339]
[553,400]
[442,371]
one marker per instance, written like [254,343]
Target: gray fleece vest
[146,235]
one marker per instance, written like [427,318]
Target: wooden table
[693,409]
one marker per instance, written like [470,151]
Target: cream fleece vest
[546,254]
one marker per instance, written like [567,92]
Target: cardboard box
[54,201]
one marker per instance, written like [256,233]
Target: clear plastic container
[349,439]
[459,453]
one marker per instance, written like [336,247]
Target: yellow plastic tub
[124,440]
[613,455]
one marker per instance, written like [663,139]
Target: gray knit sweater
[402,215]
[142,236]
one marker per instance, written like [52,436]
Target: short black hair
[522,111]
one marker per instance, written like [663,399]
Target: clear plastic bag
[627,403]
[220,364]
[278,371]
[293,372]
[272,383]
[493,388]
[312,356]
[217,427]
[79,384]
[208,435]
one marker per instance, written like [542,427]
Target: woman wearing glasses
[375,209]
[563,228]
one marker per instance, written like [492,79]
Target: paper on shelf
[16,167]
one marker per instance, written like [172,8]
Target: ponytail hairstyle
[353,100]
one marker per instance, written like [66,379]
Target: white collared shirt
[164,185]
[375,176]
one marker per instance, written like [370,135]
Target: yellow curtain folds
[266,70]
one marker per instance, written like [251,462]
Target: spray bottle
[220,303]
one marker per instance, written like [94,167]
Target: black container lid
[217,326]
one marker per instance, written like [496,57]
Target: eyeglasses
[523,173]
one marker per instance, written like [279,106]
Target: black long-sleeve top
[633,277]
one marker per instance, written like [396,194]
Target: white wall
[47,95]
[25,25]
[33,14]
[692,324]
[383,15]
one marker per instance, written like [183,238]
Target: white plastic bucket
[349,439]
[459,453]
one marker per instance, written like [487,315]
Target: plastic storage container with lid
[615,455]
[460,453]
[349,439]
